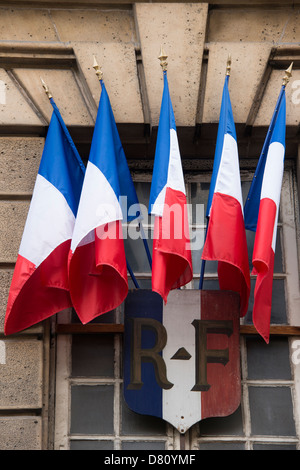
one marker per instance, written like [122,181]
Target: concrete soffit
[68,72]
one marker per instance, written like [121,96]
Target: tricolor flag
[261,215]
[97,263]
[39,285]
[171,258]
[226,236]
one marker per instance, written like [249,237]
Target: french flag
[171,259]
[261,215]
[226,236]
[97,263]
[39,286]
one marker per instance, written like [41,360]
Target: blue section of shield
[148,399]
[162,150]
[61,164]
[276,133]
[108,155]
[226,126]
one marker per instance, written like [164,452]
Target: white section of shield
[181,406]
[98,206]
[49,223]
[175,178]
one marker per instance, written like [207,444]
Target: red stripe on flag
[263,262]
[98,277]
[37,293]
[226,242]
[172,258]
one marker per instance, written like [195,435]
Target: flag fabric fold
[97,263]
[261,215]
[171,258]
[226,235]
[39,286]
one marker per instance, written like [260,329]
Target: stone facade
[57,43]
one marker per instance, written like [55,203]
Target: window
[90,409]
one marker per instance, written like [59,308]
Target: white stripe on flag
[272,180]
[175,178]
[49,223]
[175,175]
[98,205]
[228,180]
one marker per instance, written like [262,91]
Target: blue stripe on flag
[108,155]
[278,134]
[61,164]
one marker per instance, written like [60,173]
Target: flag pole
[163,59]
[228,65]
[99,74]
[145,244]
[203,261]
[47,91]
[228,70]
[288,74]
[98,70]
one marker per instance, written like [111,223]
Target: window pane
[143,445]
[278,267]
[208,284]
[93,355]
[91,445]
[278,314]
[245,189]
[268,361]
[143,194]
[199,195]
[92,409]
[197,243]
[135,250]
[108,317]
[222,446]
[268,446]
[228,426]
[271,411]
[143,283]
[210,266]
[141,425]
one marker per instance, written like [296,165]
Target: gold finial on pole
[288,74]
[48,93]
[99,72]
[228,66]
[163,59]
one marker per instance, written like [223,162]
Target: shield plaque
[181,360]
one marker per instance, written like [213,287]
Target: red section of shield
[224,394]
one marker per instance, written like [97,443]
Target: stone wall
[57,43]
